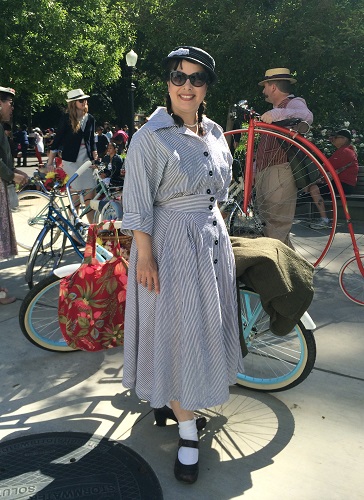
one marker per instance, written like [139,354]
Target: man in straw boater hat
[275,184]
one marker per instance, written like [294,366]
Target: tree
[51,46]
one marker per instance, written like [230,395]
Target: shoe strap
[187,443]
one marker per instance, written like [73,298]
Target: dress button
[210,173]
[216,242]
[215,261]
[214,223]
[212,198]
[206,153]
[211,207]
[208,191]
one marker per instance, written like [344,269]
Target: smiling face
[186,99]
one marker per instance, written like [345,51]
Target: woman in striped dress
[181,329]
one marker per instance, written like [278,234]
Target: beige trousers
[276,198]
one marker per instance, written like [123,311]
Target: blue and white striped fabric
[182,344]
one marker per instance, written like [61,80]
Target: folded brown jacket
[282,278]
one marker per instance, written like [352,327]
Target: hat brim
[77,98]
[212,74]
[7,90]
[290,80]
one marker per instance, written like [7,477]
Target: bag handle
[93,231]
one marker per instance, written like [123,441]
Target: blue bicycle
[62,227]
[271,364]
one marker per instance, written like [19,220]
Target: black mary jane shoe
[161,415]
[186,473]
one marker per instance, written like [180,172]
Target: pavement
[304,443]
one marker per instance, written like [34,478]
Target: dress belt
[192,203]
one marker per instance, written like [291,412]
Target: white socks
[188,430]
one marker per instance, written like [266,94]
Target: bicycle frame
[292,137]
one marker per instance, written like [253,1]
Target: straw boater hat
[7,90]
[74,95]
[277,74]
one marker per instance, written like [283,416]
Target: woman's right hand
[147,272]
[146,269]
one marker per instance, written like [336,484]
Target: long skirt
[183,344]
[8,247]
[86,180]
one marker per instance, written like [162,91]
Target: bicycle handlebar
[83,168]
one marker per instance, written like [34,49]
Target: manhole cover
[61,465]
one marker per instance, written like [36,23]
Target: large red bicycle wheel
[306,235]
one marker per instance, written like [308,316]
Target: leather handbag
[91,303]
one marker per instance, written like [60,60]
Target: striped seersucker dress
[183,343]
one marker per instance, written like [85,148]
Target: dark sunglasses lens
[82,100]
[178,78]
[198,79]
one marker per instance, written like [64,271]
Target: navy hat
[344,132]
[7,90]
[193,54]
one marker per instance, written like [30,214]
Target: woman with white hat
[38,145]
[76,137]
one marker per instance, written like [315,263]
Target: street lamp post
[131,60]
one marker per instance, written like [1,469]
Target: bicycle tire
[29,217]
[312,243]
[38,316]
[352,281]
[273,363]
[45,256]
[111,211]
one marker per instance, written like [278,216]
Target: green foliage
[53,45]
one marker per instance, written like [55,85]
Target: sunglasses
[81,100]
[196,79]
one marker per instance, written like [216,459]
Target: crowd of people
[181,319]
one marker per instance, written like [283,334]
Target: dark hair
[172,66]
[5,95]
[113,144]
[283,85]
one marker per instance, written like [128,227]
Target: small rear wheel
[352,281]
[273,363]
[38,316]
